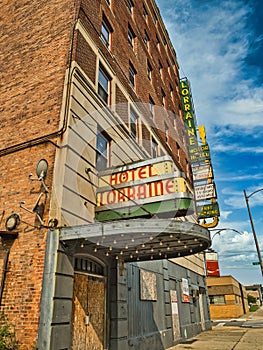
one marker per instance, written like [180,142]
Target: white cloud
[212,42]
[234,248]
[225,214]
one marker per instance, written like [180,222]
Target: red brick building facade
[61,61]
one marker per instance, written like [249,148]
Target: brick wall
[120,54]
[36,49]
[35,45]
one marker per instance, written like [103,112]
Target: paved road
[238,323]
[235,334]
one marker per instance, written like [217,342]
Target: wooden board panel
[89,298]
[80,299]
[95,328]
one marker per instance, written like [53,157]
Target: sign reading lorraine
[143,188]
[203,192]
[208,210]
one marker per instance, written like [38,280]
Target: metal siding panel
[64,286]
[62,311]
[64,265]
[60,337]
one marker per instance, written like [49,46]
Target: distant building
[101,246]
[255,291]
[227,297]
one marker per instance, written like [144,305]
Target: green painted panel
[175,207]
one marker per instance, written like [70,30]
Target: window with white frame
[130,6]
[103,85]
[106,32]
[149,71]
[132,74]
[166,130]
[151,105]
[131,37]
[160,69]
[145,13]
[102,151]
[171,93]
[154,148]
[133,123]
[163,98]
[157,42]
[147,40]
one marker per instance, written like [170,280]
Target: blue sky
[219,45]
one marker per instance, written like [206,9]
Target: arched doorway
[89,296]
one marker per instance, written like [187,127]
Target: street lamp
[253,228]
[219,230]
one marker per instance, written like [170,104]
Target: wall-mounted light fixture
[12,221]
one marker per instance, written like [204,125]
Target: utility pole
[253,227]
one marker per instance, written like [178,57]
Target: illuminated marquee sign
[148,187]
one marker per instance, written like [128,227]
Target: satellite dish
[41,169]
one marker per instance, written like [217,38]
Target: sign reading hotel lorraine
[145,187]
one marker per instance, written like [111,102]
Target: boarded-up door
[88,299]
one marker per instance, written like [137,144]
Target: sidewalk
[228,337]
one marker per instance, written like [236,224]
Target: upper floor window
[171,92]
[145,13]
[146,40]
[166,129]
[133,123]
[155,18]
[131,37]
[103,85]
[106,32]
[157,42]
[103,151]
[168,66]
[149,71]
[151,105]
[160,69]
[154,148]
[178,151]
[130,6]
[163,98]
[132,74]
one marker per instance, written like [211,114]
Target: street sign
[256,263]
